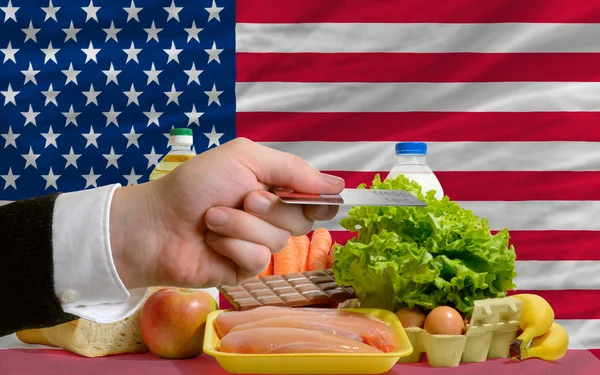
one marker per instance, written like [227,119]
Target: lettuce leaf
[441,254]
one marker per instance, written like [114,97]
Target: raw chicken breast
[368,331]
[272,340]
[227,320]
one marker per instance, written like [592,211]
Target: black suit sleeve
[27,295]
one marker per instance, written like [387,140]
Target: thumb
[277,168]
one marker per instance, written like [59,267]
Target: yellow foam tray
[310,363]
[494,323]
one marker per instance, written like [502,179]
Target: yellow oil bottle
[181,141]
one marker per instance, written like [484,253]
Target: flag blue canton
[89,90]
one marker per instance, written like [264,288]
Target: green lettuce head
[429,256]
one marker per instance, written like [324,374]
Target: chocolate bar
[291,290]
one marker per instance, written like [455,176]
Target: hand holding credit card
[351,197]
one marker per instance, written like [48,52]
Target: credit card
[352,197]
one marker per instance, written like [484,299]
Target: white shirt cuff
[85,278]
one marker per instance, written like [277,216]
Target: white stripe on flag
[450,156]
[557,275]
[582,333]
[408,97]
[417,37]
[519,215]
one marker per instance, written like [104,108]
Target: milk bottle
[411,162]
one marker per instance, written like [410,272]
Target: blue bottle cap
[412,148]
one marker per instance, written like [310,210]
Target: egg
[411,317]
[444,320]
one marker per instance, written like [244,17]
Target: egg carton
[494,323]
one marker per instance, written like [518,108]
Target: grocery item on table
[411,162]
[439,267]
[91,339]
[181,141]
[256,342]
[173,321]
[355,326]
[438,255]
[551,346]
[226,322]
[541,336]
[487,334]
[293,289]
[271,340]
[301,254]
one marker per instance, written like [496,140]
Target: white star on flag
[91,12]
[91,95]
[50,96]
[193,74]
[91,179]
[213,53]
[90,53]
[30,33]
[10,95]
[71,33]
[50,11]
[111,32]
[193,32]
[213,96]
[153,116]
[50,138]
[173,11]
[194,117]
[213,12]
[10,12]
[173,53]
[132,12]
[71,158]
[213,137]
[153,32]
[10,179]
[30,159]
[10,138]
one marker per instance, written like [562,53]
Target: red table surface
[59,362]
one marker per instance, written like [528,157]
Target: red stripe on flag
[417,67]
[538,245]
[456,11]
[419,126]
[570,304]
[503,185]
[595,352]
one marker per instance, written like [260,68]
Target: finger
[242,225]
[282,169]
[320,213]
[251,258]
[269,208]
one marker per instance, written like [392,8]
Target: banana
[550,346]
[536,320]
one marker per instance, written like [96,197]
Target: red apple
[173,320]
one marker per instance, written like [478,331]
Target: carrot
[286,261]
[330,258]
[269,270]
[302,248]
[319,249]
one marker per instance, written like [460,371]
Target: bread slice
[91,339]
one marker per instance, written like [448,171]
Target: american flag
[506,94]
[91,88]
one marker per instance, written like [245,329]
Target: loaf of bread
[91,339]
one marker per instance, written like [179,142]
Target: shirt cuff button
[69,296]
